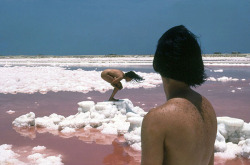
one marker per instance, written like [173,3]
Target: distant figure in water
[114,76]
[182,131]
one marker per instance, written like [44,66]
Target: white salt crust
[37,156]
[218,70]
[116,61]
[24,79]
[10,112]
[233,135]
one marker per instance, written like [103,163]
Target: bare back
[184,131]
[110,74]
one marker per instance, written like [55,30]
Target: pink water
[90,147]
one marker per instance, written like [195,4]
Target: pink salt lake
[90,147]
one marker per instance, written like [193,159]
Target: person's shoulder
[169,115]
[171,107]
[166,112]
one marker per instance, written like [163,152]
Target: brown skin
[114,76]
[180,132]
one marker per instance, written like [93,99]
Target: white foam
[21,79]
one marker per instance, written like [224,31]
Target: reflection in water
[236,161]
[119,156]
[29,132]
[87,135]
[122,153]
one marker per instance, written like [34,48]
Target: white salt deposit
[41,159]
[8,156]
[39,148]
[27,120]
[245,148]
[115,61]
[110,117]
[233,136]
[121,117]
[37,156]
[68,130]
[21,79]
[225,79]
[219,70]
[226,61]
[222,79]
[10,112]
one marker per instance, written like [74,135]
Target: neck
[174,88]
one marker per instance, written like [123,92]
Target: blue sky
[78,27]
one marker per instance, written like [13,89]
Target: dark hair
[178,56]
[134,76]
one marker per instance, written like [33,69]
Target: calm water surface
[90,147]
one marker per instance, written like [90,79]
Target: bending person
[182,131]
[114,77]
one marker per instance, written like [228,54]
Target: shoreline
[115,60]
[113,56]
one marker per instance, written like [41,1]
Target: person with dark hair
[182,131]
[114,77]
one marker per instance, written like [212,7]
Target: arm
[118,85]
[117,80]
[152,138]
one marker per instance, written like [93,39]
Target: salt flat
[243,60]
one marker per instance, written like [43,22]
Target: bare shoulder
[172,108]
[165,115]
[178,113]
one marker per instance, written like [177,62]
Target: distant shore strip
[114,60]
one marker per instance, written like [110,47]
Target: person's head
[178,56]
[132,76]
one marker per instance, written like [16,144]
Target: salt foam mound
[121,117]
[233,138]
[110,117]
[24,79]
[37,156]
